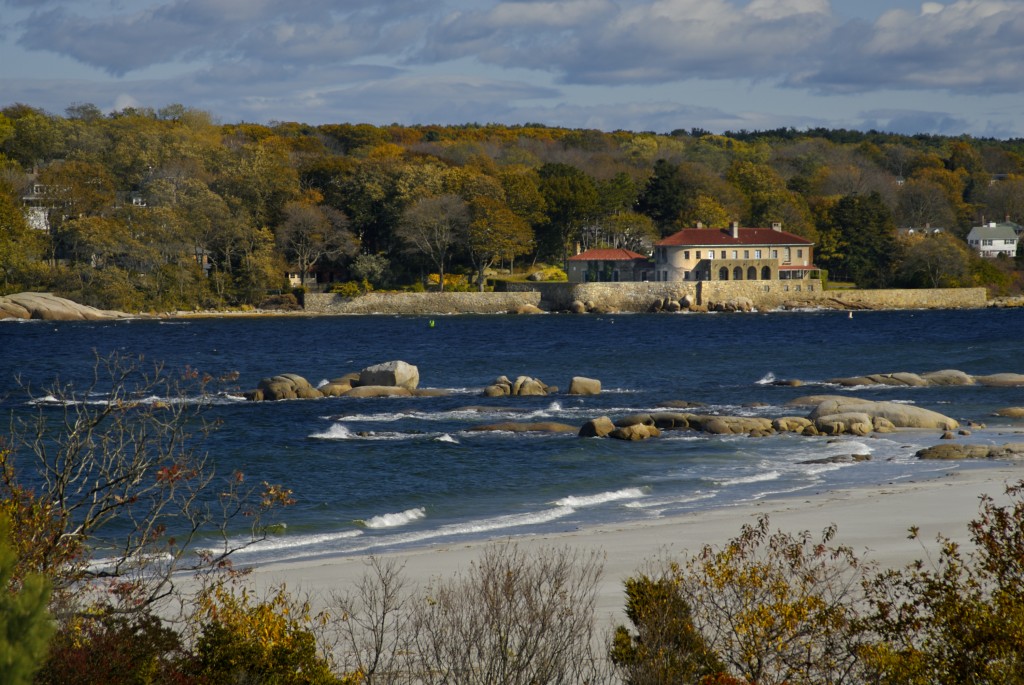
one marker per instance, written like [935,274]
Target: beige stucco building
[734,254]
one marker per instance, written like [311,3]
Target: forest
[155,210]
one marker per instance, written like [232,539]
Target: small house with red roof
[608,265]
[734,254]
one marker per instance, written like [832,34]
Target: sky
[947,68]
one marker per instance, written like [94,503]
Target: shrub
[960,620]
[24,622]
[104,647]
[272,640]
[664,647]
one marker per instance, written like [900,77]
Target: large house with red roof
[734,254]
[609,265]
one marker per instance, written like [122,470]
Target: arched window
[766,273]
[737,273]
[752,273]
[723,273]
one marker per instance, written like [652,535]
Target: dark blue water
[374,474]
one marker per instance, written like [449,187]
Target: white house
[993,239]
[734,254]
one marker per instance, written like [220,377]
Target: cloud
[597,41]
[299,31]
[968,46]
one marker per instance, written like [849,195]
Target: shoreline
[872,520]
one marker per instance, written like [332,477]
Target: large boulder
[854,423]
[791,424]
[597,428]
[634,432]
[379,391]
[580,385]
[1011,412]
[521,386]
[286,386]
[1002,380]
[948,377]
[1013,450]
[337,387]
[394,373]
[732,425]
[49,307]
[901,415]
[670,420]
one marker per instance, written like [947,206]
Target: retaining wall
[638,297]
[420,303]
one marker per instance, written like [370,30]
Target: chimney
[734,229]
[777,226]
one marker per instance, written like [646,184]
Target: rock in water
[394,374]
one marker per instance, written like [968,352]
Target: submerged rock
[523,427]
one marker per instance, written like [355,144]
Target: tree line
[161,209]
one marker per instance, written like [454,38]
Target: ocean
[371,475]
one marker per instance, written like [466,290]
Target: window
[986,242]
[1009,242]
[723,254]
[686,254]
[775,254]
[711,254]
[735,254]
[746,254]
[698,254]
[752,273]
[799,253]
[757,254]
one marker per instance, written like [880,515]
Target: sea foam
[394,520]
[600,498]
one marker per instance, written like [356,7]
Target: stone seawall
[638,297]
[420,303]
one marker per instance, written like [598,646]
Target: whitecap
[338,431]
[394,520]
[755,478]
[600,498]
[767,379]
[446,438]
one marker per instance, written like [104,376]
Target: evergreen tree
[25,626]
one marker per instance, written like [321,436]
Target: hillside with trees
[169,209]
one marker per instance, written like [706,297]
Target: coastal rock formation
[597,428]
[633,420]
[680,404]
[379,391]
[580,385]
[522,427]
[394,373]
[667,420]
[854,423]
[732,425]
[839,459]
[932,378]
[521,386]
[286,386]
[49,307]
[1011,412]
[1013,450]
[900,415]
[528,309]
[634,432]
[1002,380]
[337,387]
[792,424]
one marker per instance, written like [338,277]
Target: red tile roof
[723,236]
[607,255]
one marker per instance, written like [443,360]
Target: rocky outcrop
[945,377]
[1011,412]
[286,386]
[580,385]
[379,391]
[521,386]
[49,307]
[1013,450]
[634,432]
[1002,380]
[392,374]
[524,427]
[732,425]
[597,428]
[900,415]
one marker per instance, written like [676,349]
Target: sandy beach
[873,521]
